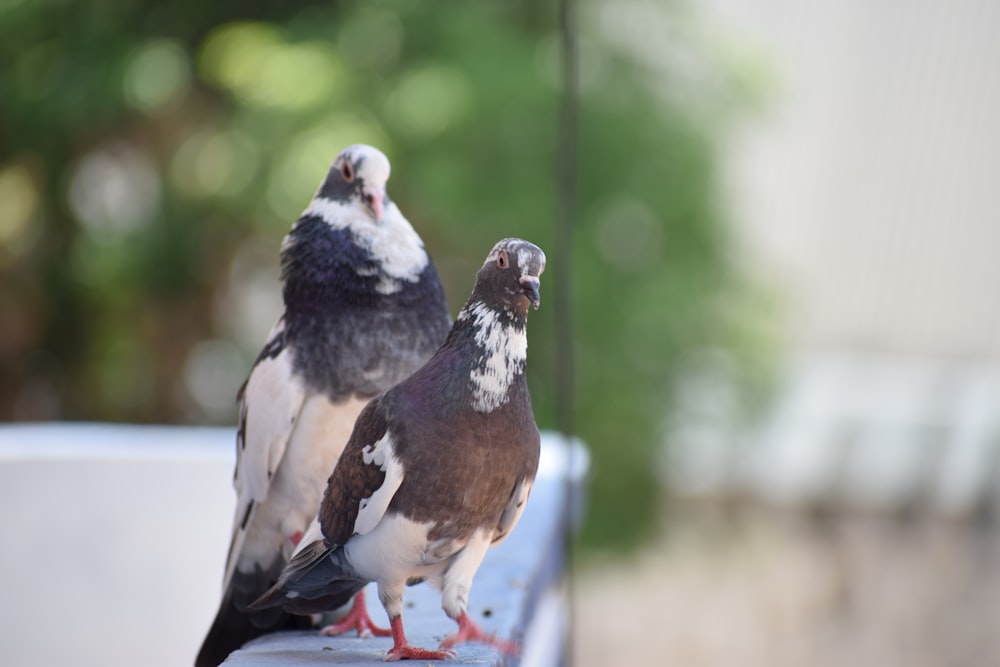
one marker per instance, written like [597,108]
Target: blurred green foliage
[152,156]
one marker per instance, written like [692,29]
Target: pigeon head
[352,226]
[358,174]
[510,276]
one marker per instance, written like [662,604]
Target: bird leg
[356,619]
[402,650]
[469,631]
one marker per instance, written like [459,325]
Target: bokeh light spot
[250,301]
[256,64]
[234,54]
[215,164]
[428,100]
[212,369]
[18,203]
[114,190]
[155,73]
[298,77]
[629,236]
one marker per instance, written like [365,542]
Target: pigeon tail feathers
[315,580]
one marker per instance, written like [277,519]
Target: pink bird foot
[402,650]
[469,631]
[357,619]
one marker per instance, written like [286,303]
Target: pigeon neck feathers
[499,339]
[489,338]
[333,253]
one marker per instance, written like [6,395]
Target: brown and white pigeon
[437,470]
[364,308]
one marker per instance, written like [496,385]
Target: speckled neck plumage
[500,335]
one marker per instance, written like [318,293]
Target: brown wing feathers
[353,480]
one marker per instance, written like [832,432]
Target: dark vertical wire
[566,184]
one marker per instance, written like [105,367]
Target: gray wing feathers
[512,510]
[272,401]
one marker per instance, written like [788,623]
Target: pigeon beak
[375,199]
[530,286]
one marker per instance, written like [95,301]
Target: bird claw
[469,631]
[365,628]
[356,619]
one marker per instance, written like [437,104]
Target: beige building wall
[868,188]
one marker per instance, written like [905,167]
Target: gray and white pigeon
[437,470]
[364,308]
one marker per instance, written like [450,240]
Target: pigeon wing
[513,510]
[271,401]
[365,480]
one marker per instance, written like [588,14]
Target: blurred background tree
[152,156]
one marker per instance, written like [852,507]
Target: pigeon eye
[347,171]
[502,260]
